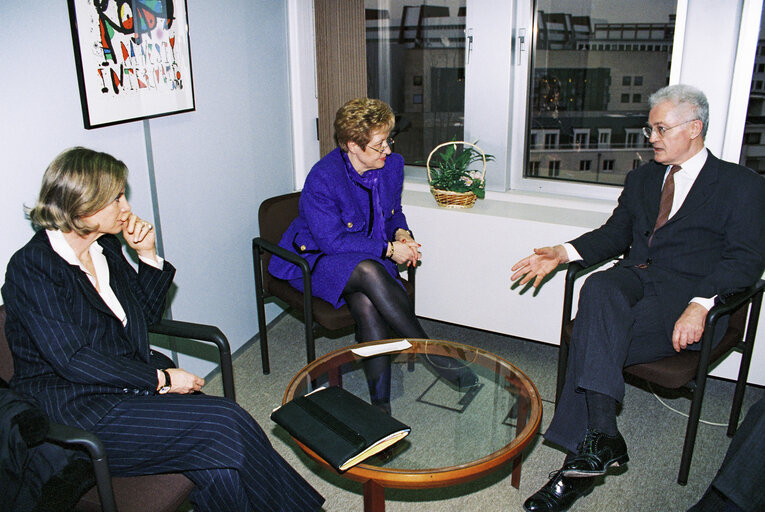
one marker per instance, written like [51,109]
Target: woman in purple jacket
[352,232]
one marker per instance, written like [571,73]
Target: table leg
[520,424]
[336,377]
[374,497]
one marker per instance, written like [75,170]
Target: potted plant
[452,181]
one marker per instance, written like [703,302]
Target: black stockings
[378,303]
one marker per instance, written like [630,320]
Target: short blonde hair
[359,118]
[78,182]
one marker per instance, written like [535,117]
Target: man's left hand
[689,327]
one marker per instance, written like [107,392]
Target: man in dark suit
[692,227]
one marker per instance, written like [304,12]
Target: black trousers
[616,326]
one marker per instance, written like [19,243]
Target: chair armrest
[202,332]
[66,435]
[283,253]
[733,301]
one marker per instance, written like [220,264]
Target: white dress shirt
[63,249]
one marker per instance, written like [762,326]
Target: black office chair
[274,217]
[689,368]
[149,493]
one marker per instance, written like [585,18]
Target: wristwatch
[164,389]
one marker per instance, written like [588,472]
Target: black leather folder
[338,426]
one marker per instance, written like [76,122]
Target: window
[553,168]
[533,168]
[584,62]
[753,149]
[581,139]
[604,138]
[634,138]
[551,140]
[752,138]
[636,163]
[416,63]
[584,165]
[534,139]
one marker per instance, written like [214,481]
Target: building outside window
[533,168]
[593,63]
[553,168]
[753,149]
[584,165]
[416,63]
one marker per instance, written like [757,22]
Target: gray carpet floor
[653,433]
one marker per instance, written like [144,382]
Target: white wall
[213,166]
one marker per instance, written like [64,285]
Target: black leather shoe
[559,493]
[596,453]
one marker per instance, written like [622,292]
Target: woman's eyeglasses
[380,148]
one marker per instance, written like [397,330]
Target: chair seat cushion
[150,493]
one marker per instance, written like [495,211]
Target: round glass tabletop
[469,410]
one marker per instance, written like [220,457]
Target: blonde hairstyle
[78,182]
[359,118]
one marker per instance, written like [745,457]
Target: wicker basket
[447,198]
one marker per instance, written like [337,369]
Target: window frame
[498,66]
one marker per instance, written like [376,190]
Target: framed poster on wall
[133,59]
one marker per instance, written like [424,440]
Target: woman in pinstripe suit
[77,316]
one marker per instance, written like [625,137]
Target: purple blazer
[344,219]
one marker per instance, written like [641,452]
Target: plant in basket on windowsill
[452,182]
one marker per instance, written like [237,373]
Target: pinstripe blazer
[714,244]
[70,351]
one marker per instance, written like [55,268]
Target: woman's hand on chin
[139,235]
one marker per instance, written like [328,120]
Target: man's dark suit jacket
[714,244]
[70,351]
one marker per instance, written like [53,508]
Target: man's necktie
[667,196]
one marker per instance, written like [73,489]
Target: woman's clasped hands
[405,249]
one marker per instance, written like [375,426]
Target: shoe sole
[581,473]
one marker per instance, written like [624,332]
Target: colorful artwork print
[133,59]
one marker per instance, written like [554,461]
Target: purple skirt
[331,273]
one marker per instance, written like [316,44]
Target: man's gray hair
[684,94]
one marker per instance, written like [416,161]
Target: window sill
[527,206]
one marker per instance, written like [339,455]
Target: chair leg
[260,301]
[562,365]
[746,360]
[691,430]
[310,347]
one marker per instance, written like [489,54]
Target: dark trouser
[211,440]
[741,477]
[617,324]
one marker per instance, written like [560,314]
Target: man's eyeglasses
[380,148]
[661,130]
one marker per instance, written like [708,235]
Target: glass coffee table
[457,434]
